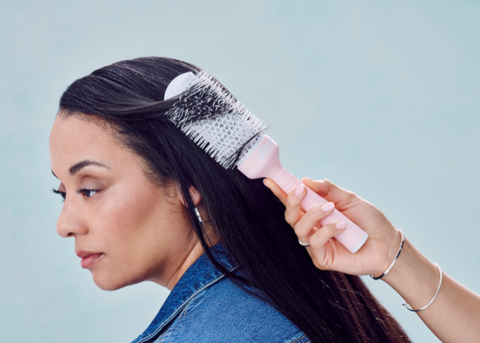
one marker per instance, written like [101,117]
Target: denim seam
[184,311]
[179,309]
[301,339]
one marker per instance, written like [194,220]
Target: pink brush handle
[262,160]
[352,237]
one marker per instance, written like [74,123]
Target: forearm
[454,315]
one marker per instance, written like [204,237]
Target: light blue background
[381,97]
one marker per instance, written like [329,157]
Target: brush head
[210,116]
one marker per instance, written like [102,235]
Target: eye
[87,193]
[63,194]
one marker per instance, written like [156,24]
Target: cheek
[131,218]
[142,234]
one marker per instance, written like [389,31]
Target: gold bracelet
[408,307]
[395,260]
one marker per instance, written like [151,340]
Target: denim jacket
[205,306]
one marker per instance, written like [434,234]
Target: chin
[108,283]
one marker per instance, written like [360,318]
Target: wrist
[414,277]
[395,253]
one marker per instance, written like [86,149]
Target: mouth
[89,258]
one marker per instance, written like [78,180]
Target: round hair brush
[209,115]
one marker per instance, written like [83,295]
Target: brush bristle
[217,122]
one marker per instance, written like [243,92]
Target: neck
[196,251]
[194,254]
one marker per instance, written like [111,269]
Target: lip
[89,258]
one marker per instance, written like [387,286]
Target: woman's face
[126,229]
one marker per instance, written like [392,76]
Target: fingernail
[341,225]
[300,189]
[265,183]
[328,207]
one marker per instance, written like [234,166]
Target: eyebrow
[78,166]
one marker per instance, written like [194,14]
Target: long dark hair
[326,306]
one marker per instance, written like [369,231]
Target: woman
[143,202]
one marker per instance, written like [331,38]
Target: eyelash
[63,194]
[80,191]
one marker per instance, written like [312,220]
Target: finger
[279,193]
[319,240]
[293,210]
[303,227]
[331,192]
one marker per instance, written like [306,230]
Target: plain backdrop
[381,97]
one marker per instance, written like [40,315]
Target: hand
[326,252]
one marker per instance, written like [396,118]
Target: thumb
[342,198]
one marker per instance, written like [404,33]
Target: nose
[70,222]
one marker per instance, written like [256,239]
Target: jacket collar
[200,275]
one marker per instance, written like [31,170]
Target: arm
[454,315]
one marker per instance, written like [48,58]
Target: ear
[194,194]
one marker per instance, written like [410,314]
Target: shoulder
[225,312]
